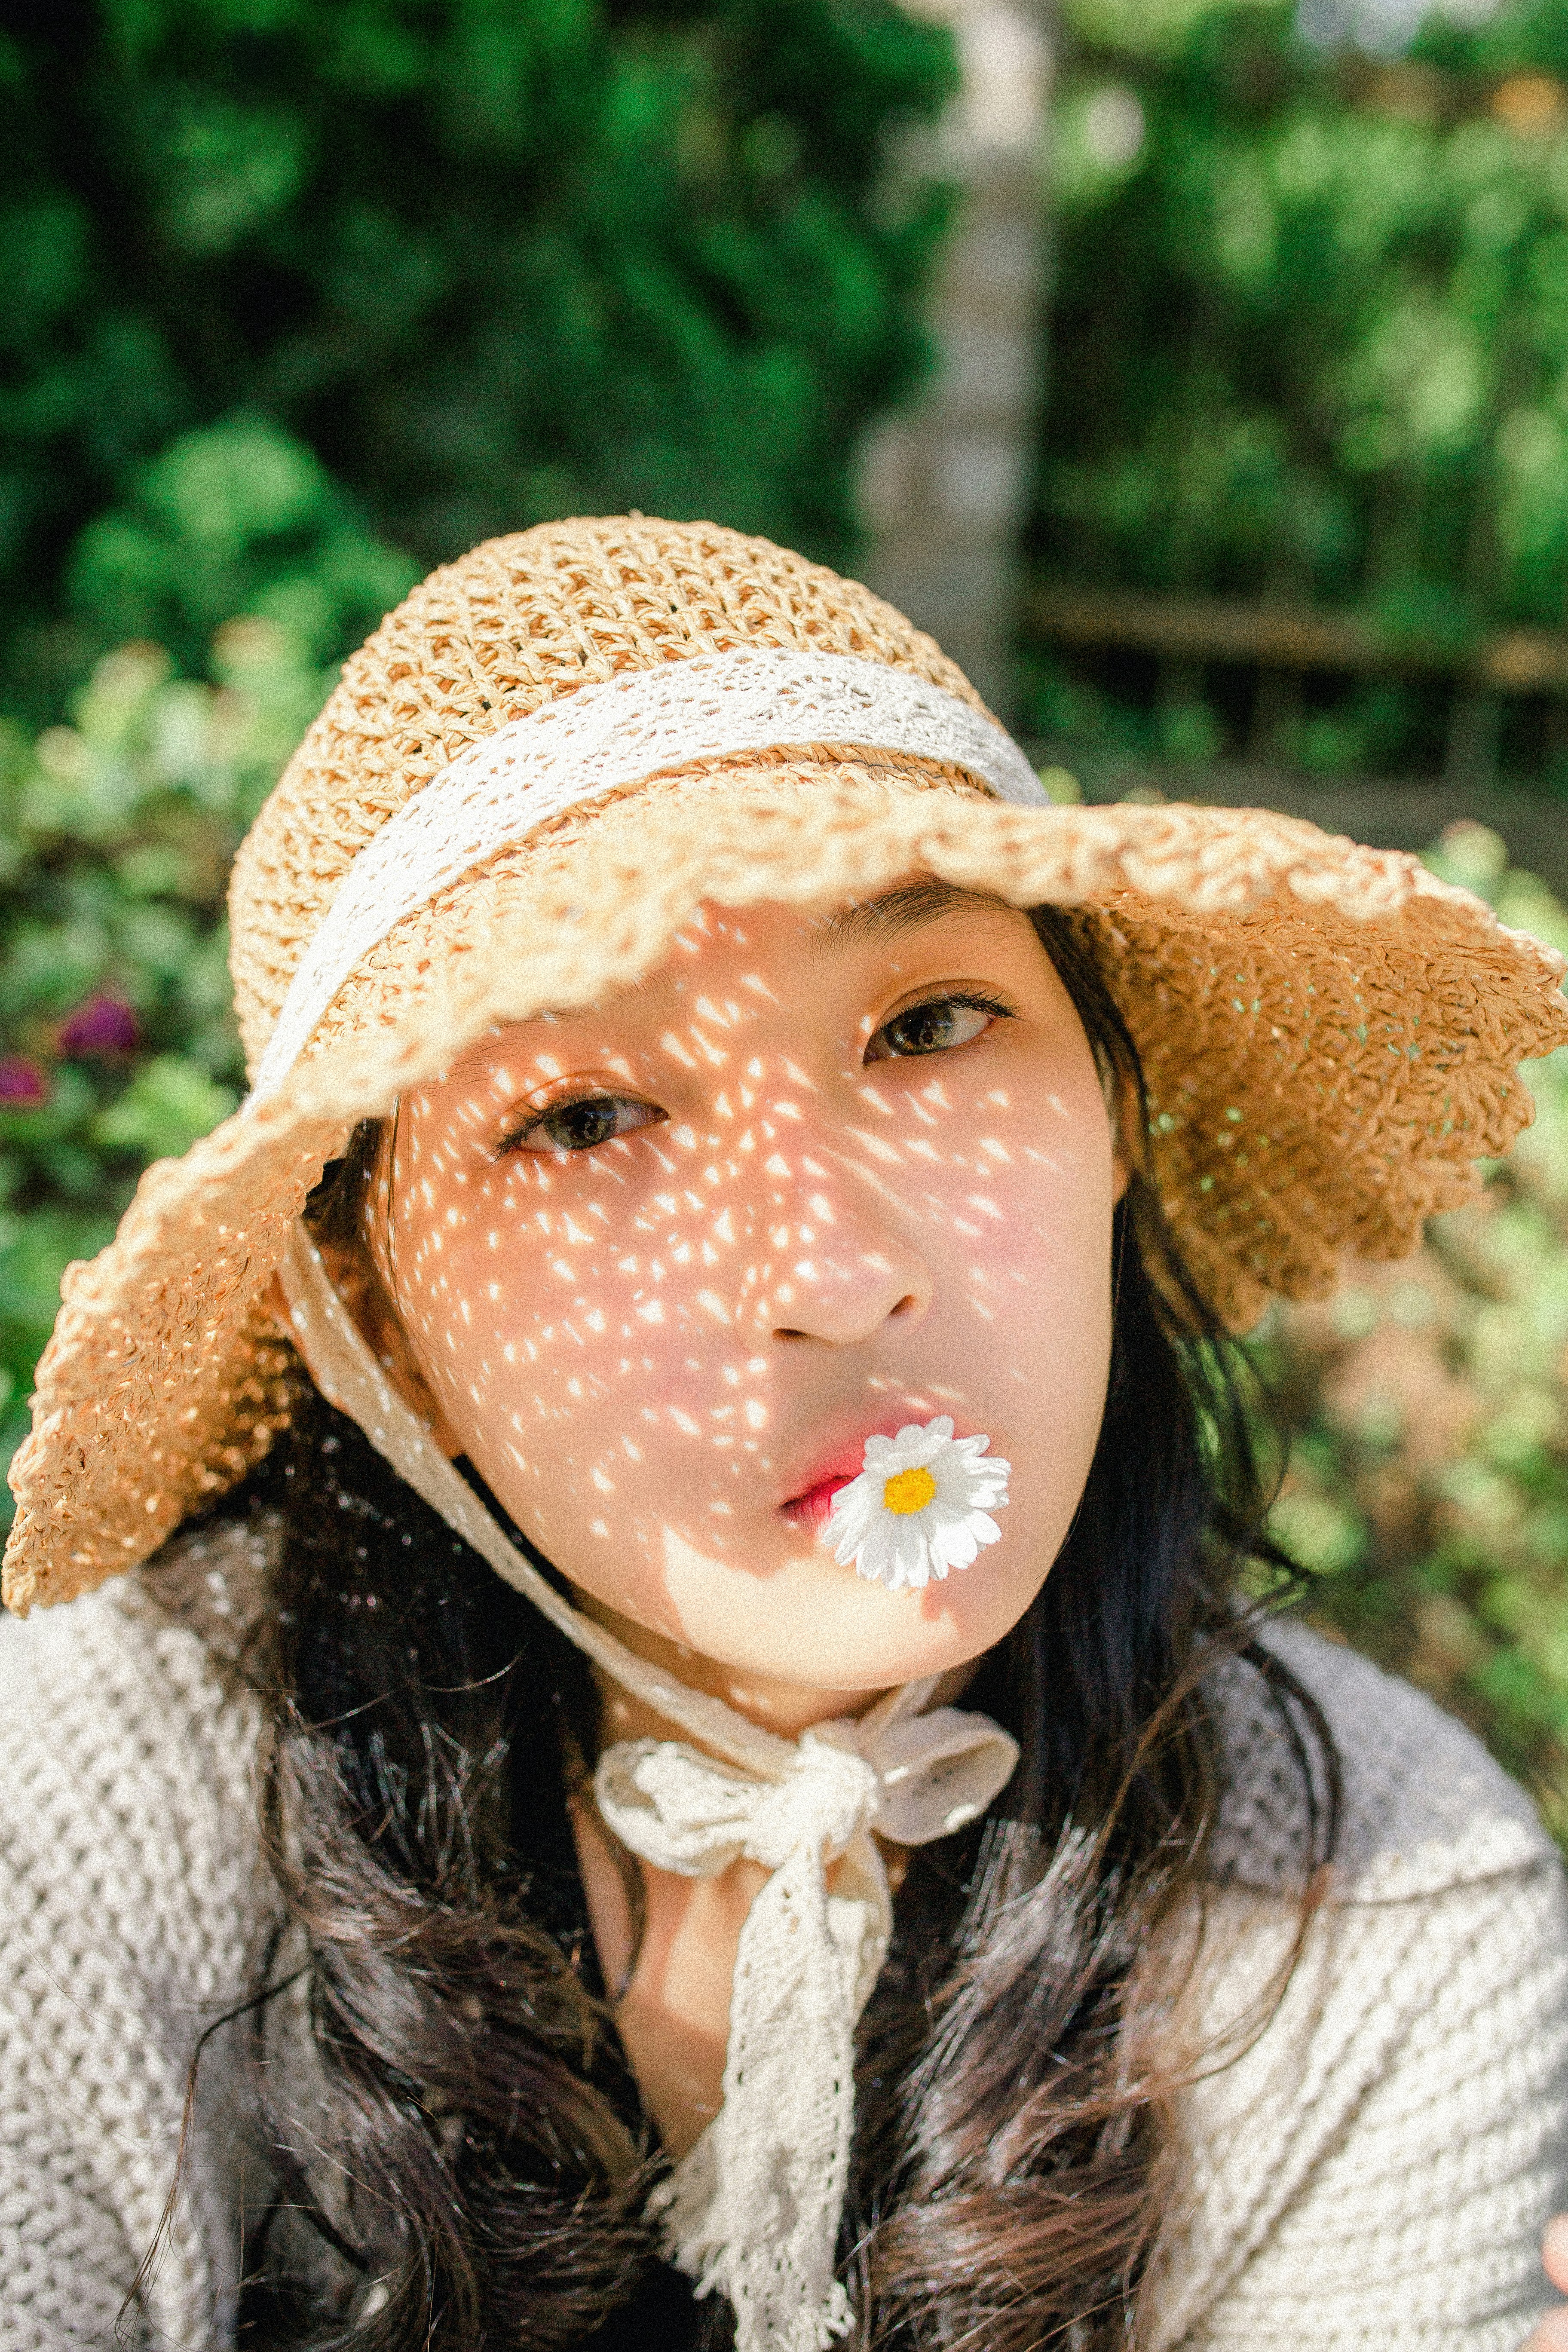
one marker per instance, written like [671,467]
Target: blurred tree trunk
[944,484]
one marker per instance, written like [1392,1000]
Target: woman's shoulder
[132,1900]
[1373,2126]
[1423,1806]
[127,1755]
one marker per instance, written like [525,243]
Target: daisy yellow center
[908,1490]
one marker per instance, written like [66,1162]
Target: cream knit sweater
[1373,2171]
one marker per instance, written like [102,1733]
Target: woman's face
[665,1265]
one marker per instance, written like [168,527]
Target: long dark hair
[468,2166]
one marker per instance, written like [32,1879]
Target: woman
[687,1748]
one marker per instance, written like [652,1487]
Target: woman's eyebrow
[892,913]
[475,1061]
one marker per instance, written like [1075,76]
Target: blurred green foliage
[1310,343]
[235,518]
[116,836]
[301,300]
[1427,1404]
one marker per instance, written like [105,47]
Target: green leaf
[168,1106]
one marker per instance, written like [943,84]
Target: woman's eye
[934,1028]
[581,1124]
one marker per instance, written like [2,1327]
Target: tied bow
[754,2207]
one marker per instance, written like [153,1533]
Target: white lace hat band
[608,737]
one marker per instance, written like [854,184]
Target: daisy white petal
[919,1505]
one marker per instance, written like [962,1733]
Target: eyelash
[966,1000]
[963,1000]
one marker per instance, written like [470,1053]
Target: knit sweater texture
[1372,2169]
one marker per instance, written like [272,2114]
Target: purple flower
[102,1026]
[23,1085]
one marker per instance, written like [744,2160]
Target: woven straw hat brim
[1329,1035]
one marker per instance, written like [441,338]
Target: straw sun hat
[529,776]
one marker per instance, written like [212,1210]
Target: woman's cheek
[1039,1313]
[582,1421]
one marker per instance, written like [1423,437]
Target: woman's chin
[811,1620]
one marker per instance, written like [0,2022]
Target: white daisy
[919,1507]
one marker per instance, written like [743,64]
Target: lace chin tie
[754,2207]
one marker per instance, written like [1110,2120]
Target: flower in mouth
[921,1506]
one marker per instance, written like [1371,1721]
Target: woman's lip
[811,1509]
[835,1466]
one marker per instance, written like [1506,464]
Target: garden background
[301,301]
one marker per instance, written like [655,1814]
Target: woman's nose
[831,1268]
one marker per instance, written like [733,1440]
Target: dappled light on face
[667,1263]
